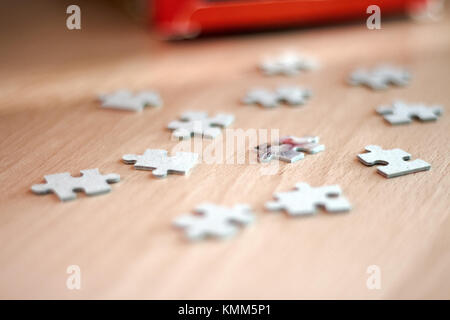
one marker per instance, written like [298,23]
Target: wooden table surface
[124,242]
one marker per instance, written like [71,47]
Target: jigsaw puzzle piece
[214,221]
[199,124]
[222,120]
[283,152]
[263,97]
[64,185]
[161,164]
[402,113]
[192,124]
[305,200]
[293,95]
[126,100]
[288,63]
[188,129]
[198,227]
[394,162]
[308,144]
[380,77]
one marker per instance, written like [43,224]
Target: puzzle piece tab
[64,185]
[291,95]
[380,77]
[288,63]
[214,221]
[199,124]
[161,164]
[289,149]
[394,162]
[125,100]
[305,200]
[400,112]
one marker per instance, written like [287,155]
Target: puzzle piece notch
[161,164]
[214,221]
[288,63]
[64,185]
[199,124]
[394,162]
[305,200]
[289,149]
[126,100]
[402,113]
[291,95]
[380,77]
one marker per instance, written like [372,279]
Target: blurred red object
[188,18]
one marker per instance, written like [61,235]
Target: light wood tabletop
[124,242]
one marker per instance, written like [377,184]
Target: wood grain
[124,243]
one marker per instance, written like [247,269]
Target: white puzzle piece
[401,112]
[126,100]
[289,149]
[196,123]
[161,164]
[393,162]
[379,78]
[291,95]
[288,63]
[306,199]
[64,185]
[214,221]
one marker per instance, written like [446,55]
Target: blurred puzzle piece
[291,95]
[288,63]
[126,100]
[161,164]
[401,113]
[196,123]
[214,221]
[289,149]
[380,77]
[305,200]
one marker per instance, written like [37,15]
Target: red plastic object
[188,18]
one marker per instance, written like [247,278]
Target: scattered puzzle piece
[305,200]
[400,112]
[263,97]
[283,152]
[308,144]
[214,221]
[288,63]
[125,100]
[289,149]
[161,164]
[199,124]
[291,95]
[64,185]
[380,77]
[394,161]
